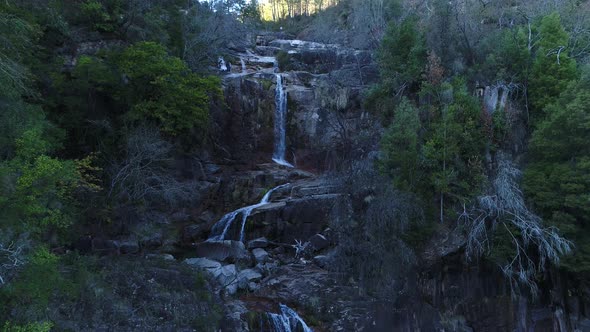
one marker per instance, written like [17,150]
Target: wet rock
[319,189]
[260,255]
[212,168]
[253,286]
[129,246]
[321,261]
[83,244]
[169,246]
[103,246]
[192,233]
[207,217]
[179,217]
[260,242]
[231,251]
[232,320]
[151,241]
[165,257]
[203,263]
[446,242]
[228,278]
[245,277]
[319,242]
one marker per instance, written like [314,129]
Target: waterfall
[221,64]
[491,99]
[221,227]
[503,99]
[280,123]
[287,320]
[244,70]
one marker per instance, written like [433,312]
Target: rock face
[260,242]
[232,251]
[260,255]
[290,256]
[323,84]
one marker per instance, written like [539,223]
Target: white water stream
[221,227]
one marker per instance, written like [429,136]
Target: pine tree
[557,179]
[552,69]
[400,147]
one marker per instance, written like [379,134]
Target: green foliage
[35,285]
[509,58]
[402,58]
[37,189]
[284,60]
[251,12]
[44,191]
[86,103]
[163,89]
[19,37]
[445,158]
[101,15]
[552,69]
[557,180]
[29,327]
[402,54]
[399,146]
[452,152]
[31,144]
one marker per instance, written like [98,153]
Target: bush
[284,60]
[33,289]
[29,327]
[163,89]
[101,18]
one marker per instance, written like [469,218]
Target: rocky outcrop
[231,251]
[323,84]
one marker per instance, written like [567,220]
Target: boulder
[203,263]
[260,255]
[245,277]
[165,257]
[207,217]
[319,242]
[321,261]
[193,232]
[228,278]
[128,246]
[211,267]
[102,246]
[260,242]
[231,251]
[151,241]
[253,286]
[179,217]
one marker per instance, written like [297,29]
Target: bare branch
[506,207]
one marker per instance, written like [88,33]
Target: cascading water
[490,99]
[287,320]
[220,229]
[503,99]
[221,64]
[280,123]
[244,70]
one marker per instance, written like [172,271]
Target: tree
[557,179]
[552,69]
[400,147]
[452,150]
[38,189]
[162,88]
[402,55]
[100,17]
[16,47]
[143,175]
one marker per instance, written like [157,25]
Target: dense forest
[429,139]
